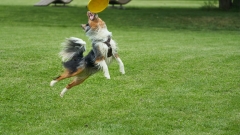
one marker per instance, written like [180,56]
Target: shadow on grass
[156,18]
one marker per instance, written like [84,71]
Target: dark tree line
[228,4]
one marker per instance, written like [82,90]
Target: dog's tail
[71,47]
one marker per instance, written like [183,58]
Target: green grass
[182,72]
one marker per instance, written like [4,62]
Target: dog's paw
[53,82]
[122,69]
[61,95]
[122,72]
[107,77]
[63,91]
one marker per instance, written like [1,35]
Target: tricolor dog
[104,50]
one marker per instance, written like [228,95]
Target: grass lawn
[182,71]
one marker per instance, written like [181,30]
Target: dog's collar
[108,41]
[109,54]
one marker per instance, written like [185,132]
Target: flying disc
[96,6]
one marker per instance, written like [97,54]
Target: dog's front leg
[103,65]
[121,66]
[120,63]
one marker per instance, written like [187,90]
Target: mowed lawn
[182,71]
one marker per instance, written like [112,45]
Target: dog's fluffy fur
[104,50]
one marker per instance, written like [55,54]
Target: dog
[104,50]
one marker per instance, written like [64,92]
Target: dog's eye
[87,24]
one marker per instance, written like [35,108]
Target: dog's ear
[85,27]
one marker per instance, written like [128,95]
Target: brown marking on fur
[67,74]
[98,59]
[96,23]
[76,82]
[77,72]
[64,75]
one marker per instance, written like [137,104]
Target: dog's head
[94,22]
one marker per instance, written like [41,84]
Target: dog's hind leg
[75,82]
[120,63]
[65,74]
